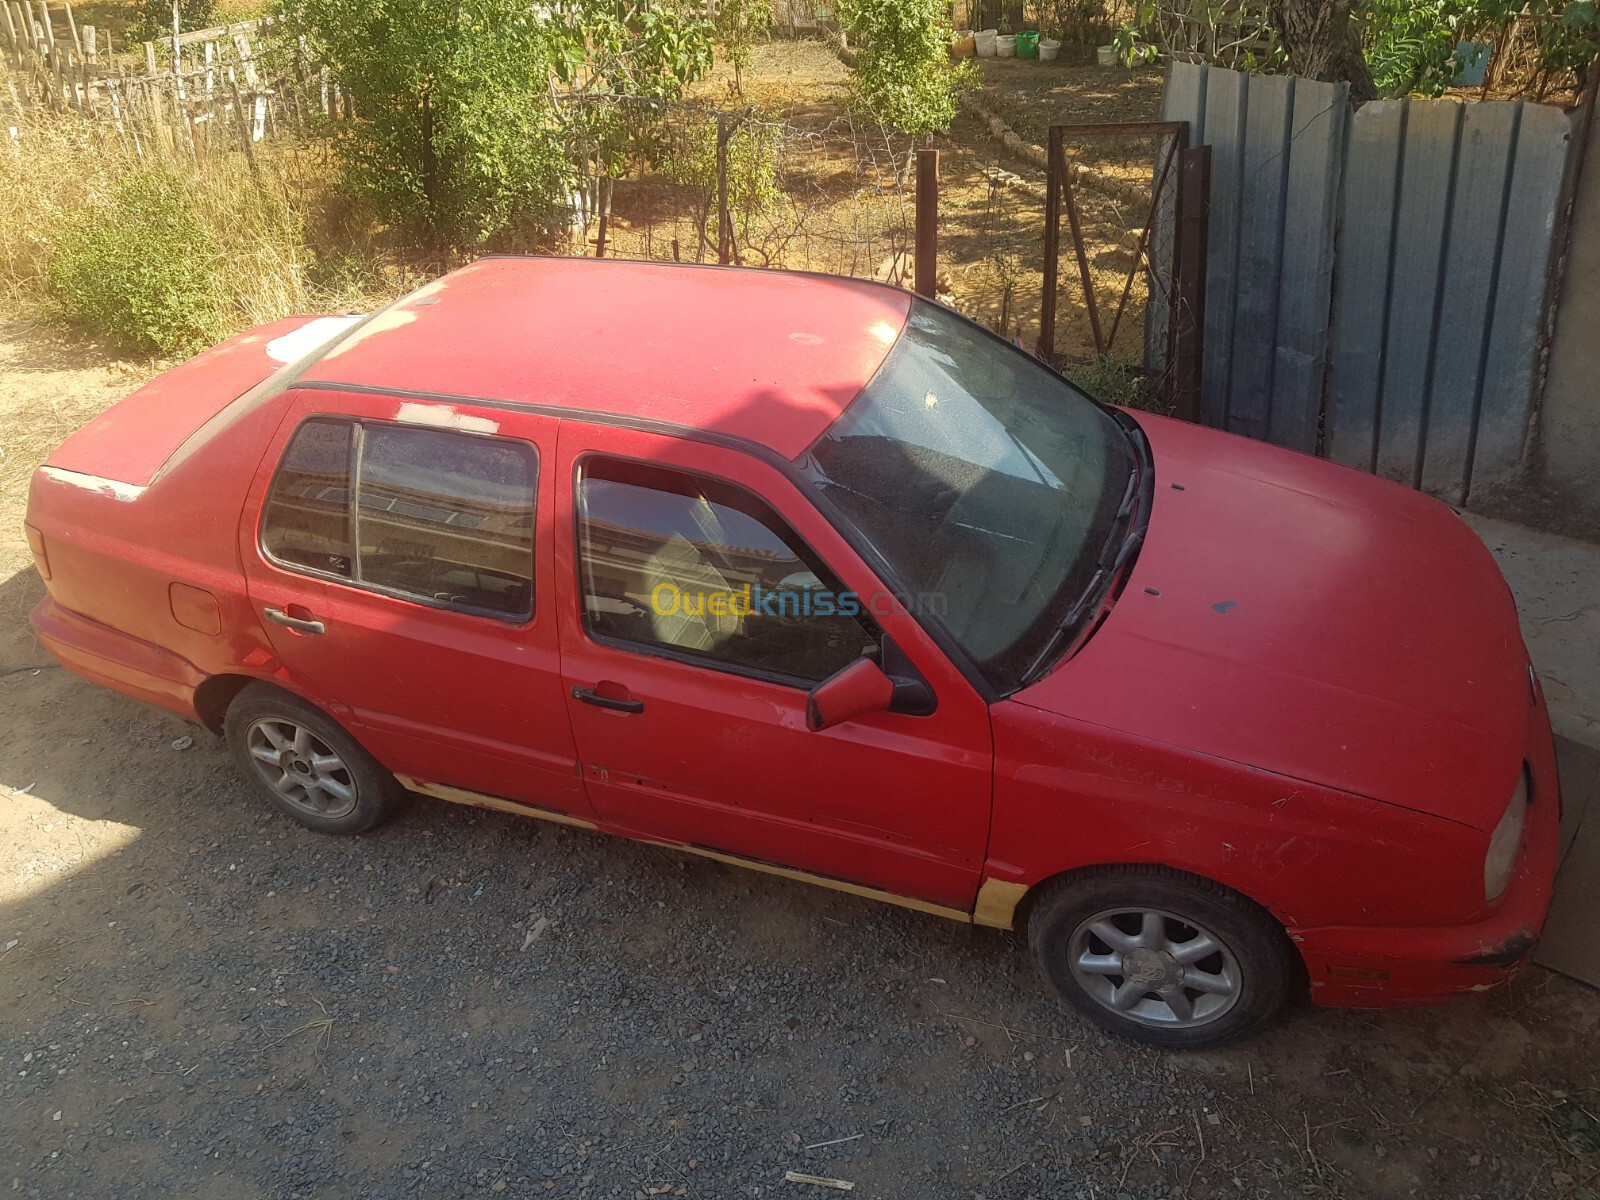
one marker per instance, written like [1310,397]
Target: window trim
[357,440]
[687,658]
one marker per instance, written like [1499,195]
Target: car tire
[305,765]
[1161,957]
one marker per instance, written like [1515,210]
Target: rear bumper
[1424,966]
[117,660]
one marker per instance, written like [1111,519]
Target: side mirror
[861,687]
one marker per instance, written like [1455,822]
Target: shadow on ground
[202,997]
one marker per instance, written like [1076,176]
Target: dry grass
[288,243]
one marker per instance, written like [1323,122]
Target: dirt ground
[199,998]
[1033,95]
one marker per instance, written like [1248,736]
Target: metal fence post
[724,218]
[1189,311]
[1052,246]
[926,255]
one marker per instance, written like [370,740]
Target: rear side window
[308,516]
[446,518]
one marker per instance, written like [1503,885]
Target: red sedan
[811,576]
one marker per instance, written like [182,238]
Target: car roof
[770,357]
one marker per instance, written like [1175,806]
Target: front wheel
[1160,957]
[305,764]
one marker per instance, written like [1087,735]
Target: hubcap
[302,768]
[1155,967]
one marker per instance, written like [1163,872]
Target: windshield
[987,482]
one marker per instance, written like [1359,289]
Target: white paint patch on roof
[313,335]
[115,489]
[445,416]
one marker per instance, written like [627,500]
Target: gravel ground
[199,998]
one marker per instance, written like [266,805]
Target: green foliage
[1131,47]
[138,268]
[1411,44]
[1117,381]
[903,76]
[629,49]
[752,154]
[457,138]
[738,23]
[1572,42]
[1076,22]
[153,18]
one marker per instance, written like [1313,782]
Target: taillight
[36,544]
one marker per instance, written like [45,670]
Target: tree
[1322,41]
[903,77]
[453,139]
[457,135]
[738,23]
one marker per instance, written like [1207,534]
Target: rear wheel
[1161,957]
[305,764]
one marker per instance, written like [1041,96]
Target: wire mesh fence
[1112,286]
[698,184]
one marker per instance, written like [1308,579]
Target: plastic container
[1028,44]
[1106,56]
[984,40]
[1472,63]
[1005,45]
[964,44]
[1049,48]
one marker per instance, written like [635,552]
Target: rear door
[701,596]
[398,555]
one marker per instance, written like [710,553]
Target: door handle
[299,624]
[590,696]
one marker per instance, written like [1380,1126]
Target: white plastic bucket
[1005,45]
[963,44]
[985,39]
[1106,56]
[1048,49]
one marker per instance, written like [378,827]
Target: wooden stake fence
[196,91]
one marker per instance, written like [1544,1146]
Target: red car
[808,575]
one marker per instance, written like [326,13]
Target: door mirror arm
[912,695]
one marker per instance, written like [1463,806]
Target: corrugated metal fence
[1378,280]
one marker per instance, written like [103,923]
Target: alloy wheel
[1155,967]
[300,767]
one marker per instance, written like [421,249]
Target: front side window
[986,481]
[437,516]
[700,568]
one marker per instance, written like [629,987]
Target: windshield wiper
[1119,546]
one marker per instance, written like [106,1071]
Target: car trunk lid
[129,442]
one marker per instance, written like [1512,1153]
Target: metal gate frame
[1188,172]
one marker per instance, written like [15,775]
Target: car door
[398,554]
[687,688]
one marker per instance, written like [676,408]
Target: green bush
[752,155]
[1118,381]
[903,76]
[736,26]
[458,138]
[138,268]
[153,18]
